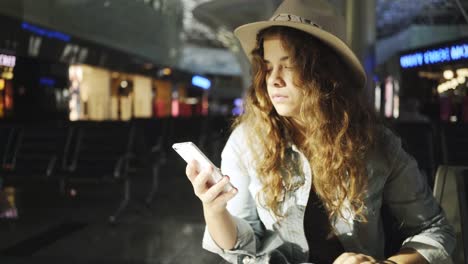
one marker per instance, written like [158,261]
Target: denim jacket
[394,179]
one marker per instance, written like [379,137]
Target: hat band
[294,18]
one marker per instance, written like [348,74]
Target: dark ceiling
[394,16]
[160,29]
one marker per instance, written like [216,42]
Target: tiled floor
[56,230]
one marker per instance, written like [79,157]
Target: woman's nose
[275,79]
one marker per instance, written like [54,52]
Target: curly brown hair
[335,131]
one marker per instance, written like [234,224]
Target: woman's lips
[277,98]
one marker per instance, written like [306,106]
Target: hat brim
[247,35]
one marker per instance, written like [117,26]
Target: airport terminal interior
[94,93]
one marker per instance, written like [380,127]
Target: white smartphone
[189,151]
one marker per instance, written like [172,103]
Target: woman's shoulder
[238,134]
[386,144]
[385,136]
[238,139]
[237,148]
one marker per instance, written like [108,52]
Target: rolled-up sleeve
[242,207]
[421,219]
[245,245]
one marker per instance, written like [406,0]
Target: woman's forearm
[222,228]
[408,255]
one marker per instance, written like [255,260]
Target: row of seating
[451,190]
[441,150]
[113,152]
[434,144]
[108,152]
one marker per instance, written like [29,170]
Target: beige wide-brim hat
[316,17]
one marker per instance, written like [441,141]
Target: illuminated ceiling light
[45,32]
[201,82]
[440,89]
[448,74]
[7,60]
[123,84]
[191,100]
[7,75]
[167,71]
[462,72]
[451,84]
[75,72]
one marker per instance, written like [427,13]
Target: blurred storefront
[60,76]
[39,89]
[387,97]
[47,74]
[436,76]
[162,99]
[99,94]
[7,64]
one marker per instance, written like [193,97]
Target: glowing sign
[45,32]
[7,60]
[201,82]
[434,56]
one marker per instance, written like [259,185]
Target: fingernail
[234,190]
[228,178]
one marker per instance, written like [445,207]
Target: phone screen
[189,151]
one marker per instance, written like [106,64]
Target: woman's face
[284,94]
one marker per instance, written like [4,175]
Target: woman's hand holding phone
[214,190]
[212,195]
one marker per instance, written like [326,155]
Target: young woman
[311,164]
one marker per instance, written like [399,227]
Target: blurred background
[93,93]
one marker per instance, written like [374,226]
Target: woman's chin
[284,112]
